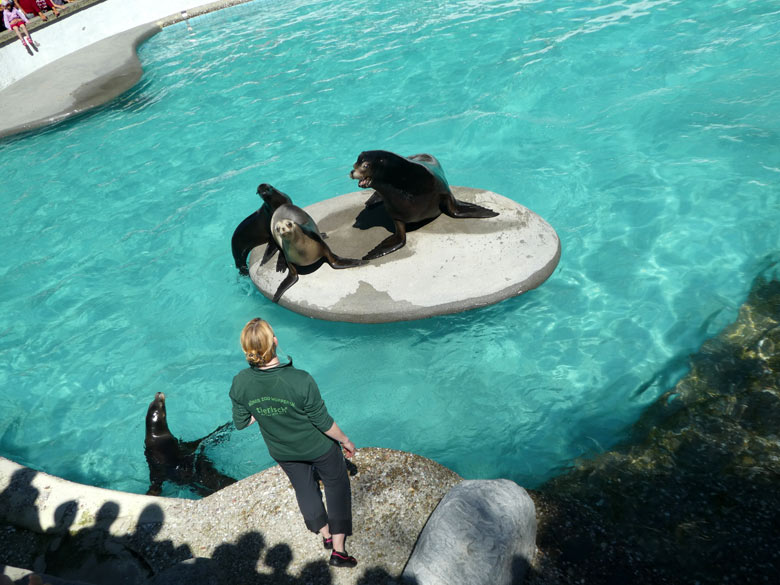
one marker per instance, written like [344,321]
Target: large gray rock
[482,532]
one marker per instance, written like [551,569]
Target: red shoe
[342,559]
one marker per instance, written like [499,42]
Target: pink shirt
[11,15]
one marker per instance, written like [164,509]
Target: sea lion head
[272,196]
[285,228]
[156,418]
[367,167]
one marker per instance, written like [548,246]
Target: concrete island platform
[447,265]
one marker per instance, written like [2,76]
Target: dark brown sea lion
[178,461]
[296,234]
[255,230]
[413,189]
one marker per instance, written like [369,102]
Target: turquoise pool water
[646,132]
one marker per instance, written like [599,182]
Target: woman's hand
[349,448]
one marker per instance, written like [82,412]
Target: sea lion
[255,230]
[413,189]
[178,461]
[296,234]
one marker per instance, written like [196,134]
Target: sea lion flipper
[374,200]
[219,434]
[270,250]
[390,243]
[462,209]
[215,437]
[281,263]
[291,279]
[338,262]
[156,478]
[246,236]
[210,478]
[311,230]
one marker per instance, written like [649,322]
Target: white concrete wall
[88,26]
[31,500]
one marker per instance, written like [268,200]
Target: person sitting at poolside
[300,435]
[38,7]
[15,19]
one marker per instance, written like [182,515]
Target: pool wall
[75,31]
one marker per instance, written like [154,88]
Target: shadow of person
[238,563]
[149,524]
[279,558]
[64,516]
[93,554]
[18,501]
[378,576]
[316,572]
[239,560]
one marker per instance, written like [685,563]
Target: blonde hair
[257,341]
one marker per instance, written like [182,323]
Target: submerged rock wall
[693,496]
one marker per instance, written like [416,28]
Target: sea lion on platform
[255,230]
[413,189]
[178,461]
[301,243]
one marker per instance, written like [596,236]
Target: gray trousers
[332,470]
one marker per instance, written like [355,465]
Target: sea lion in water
[412,189]
[255,230]
[301,243]
[178,461]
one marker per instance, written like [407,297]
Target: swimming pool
[645,132]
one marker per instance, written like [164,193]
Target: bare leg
[339,541]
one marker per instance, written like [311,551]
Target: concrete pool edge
[394,493]
[91,70]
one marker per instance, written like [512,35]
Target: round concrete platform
[447,266]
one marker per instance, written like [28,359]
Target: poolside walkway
[248,532]
[86,57]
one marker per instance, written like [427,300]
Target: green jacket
[287,405]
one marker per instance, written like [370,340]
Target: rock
[248,532]
[482,532]
[447,266]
